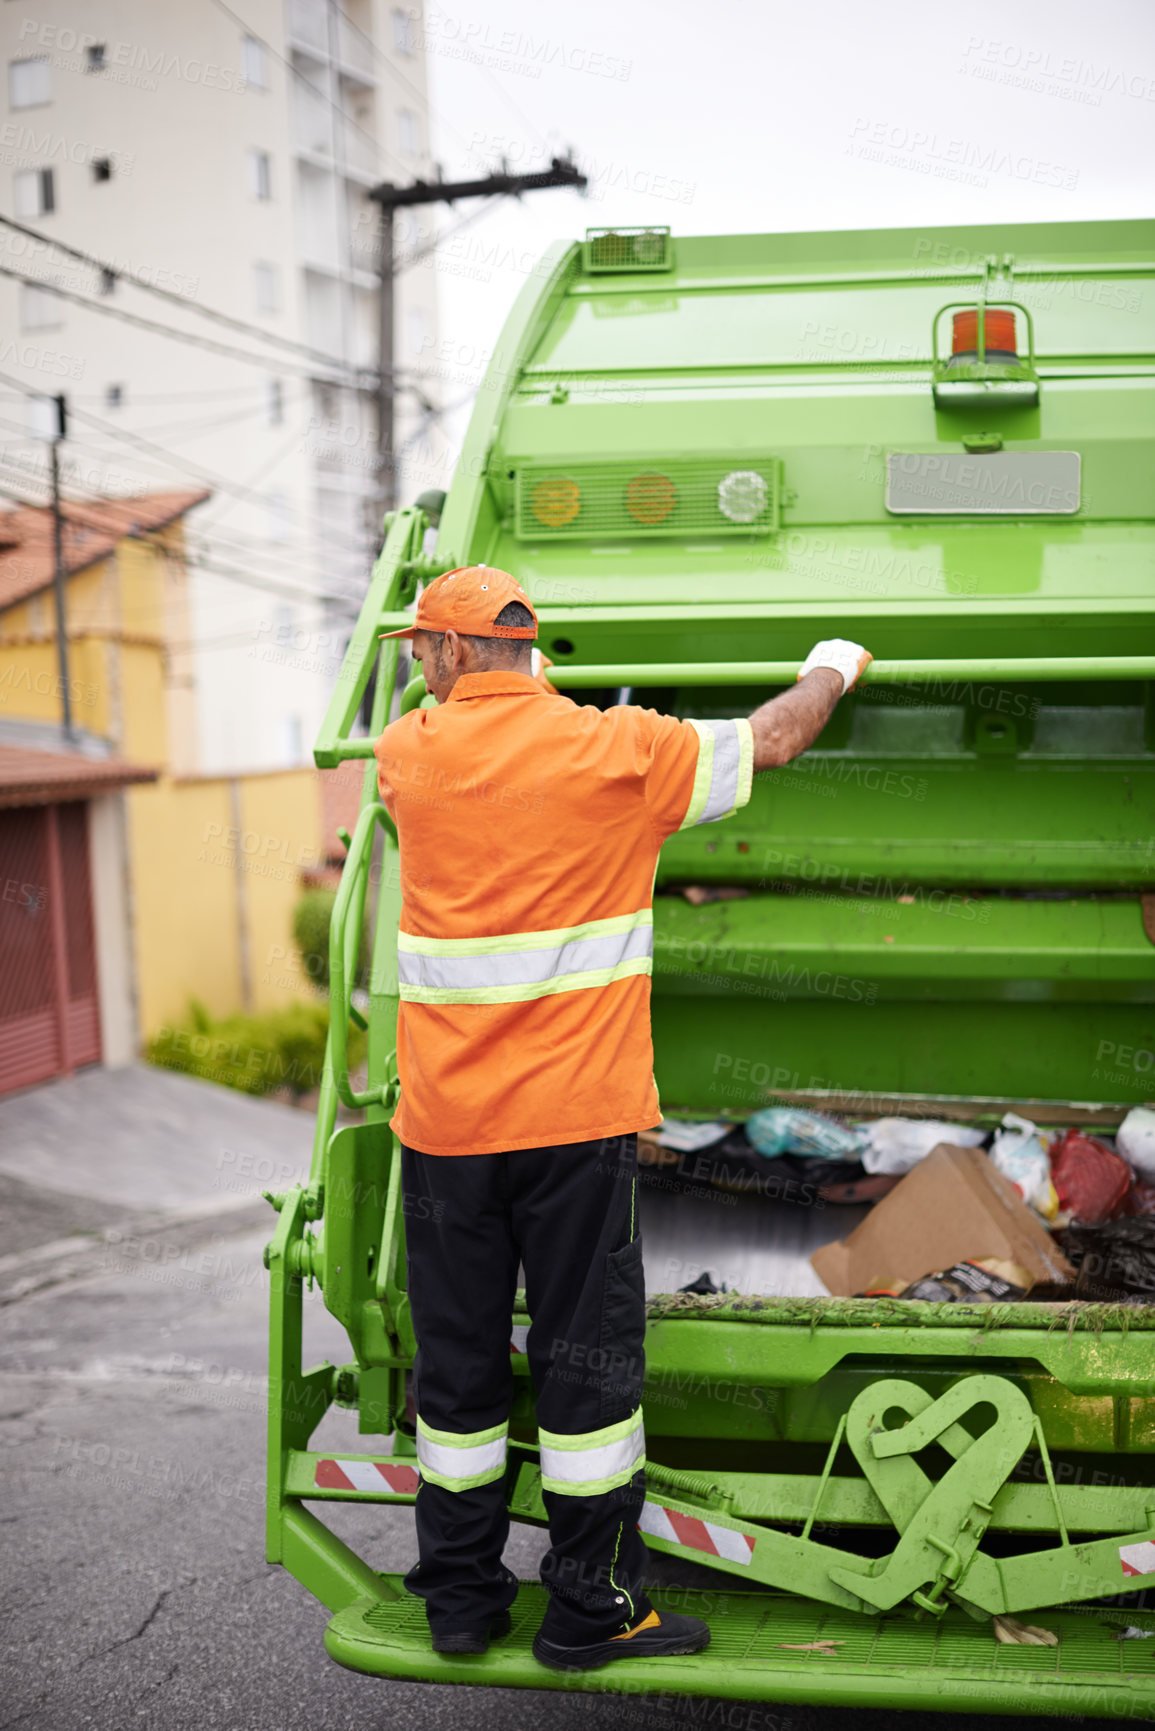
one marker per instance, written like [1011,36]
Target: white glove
[849,659]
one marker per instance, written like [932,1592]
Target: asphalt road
[132,1391]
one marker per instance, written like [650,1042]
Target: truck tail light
[556,502]
[650,499]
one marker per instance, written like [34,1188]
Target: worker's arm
[790,723]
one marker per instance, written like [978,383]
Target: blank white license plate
[984,483]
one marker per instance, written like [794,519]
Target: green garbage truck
[700,455]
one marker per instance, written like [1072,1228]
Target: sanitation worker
[529,829]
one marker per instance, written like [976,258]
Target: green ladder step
[949,1665]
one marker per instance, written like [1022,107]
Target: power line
[234,544]
[173,429]
[357,549]
[191,429]
[273,338]
[184,464]
[510,103]
[172,396]
[396,72]
[377,144]
[267,364]
[314,597]
[448,234]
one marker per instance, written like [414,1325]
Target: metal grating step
[950,1665]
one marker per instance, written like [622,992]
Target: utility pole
[58,433]
[390,198]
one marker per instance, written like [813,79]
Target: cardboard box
[952,1207]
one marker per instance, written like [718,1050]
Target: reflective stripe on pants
[461,1462]
[585,1465]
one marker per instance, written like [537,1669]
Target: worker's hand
[849,659]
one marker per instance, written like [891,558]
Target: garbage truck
[699,455]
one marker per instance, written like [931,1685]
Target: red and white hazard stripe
[365,1476]
[695,1534]
[1138,1559]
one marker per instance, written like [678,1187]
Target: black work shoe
[473,1640]
[653,1637]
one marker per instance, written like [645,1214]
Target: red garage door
[49,1015]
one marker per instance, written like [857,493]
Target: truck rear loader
[700,456]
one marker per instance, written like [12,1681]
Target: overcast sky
[726,116]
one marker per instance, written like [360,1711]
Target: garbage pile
[961,1213]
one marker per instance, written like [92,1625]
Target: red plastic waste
[1091,1181]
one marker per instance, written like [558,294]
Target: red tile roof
[27,557]
[45,777]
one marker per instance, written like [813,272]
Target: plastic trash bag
[971,1283]
[1020,1154]
[1136,1140]
[790,1130]
[1091,1180]
[894,1145]
[1113,1261]
[688,1135]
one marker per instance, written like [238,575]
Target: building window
[29,83]
[114,396]
[280,517]
[402,31]
[418,330]
[254,63]
[260,175]
[101,168]
[292,740]
[407,132]
[275,402]
[40,309]
[35,192]
[328,399]
[94,60]
[268,298]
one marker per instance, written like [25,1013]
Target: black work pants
[569,1214]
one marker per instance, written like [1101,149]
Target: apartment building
[215,158]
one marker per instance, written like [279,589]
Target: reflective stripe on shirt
[522,965]
[725,771]
[597,1461]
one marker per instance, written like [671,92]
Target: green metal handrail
[958,671]
[878,673]
[344,948]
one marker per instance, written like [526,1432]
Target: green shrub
[311,918]
[255,1054]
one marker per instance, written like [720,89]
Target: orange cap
[468,600]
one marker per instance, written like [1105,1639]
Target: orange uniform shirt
[529,829]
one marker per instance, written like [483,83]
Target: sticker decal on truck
[696,1534]
[1138,1559]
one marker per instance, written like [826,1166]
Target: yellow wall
[281,837]
[215,863]
[202,874]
